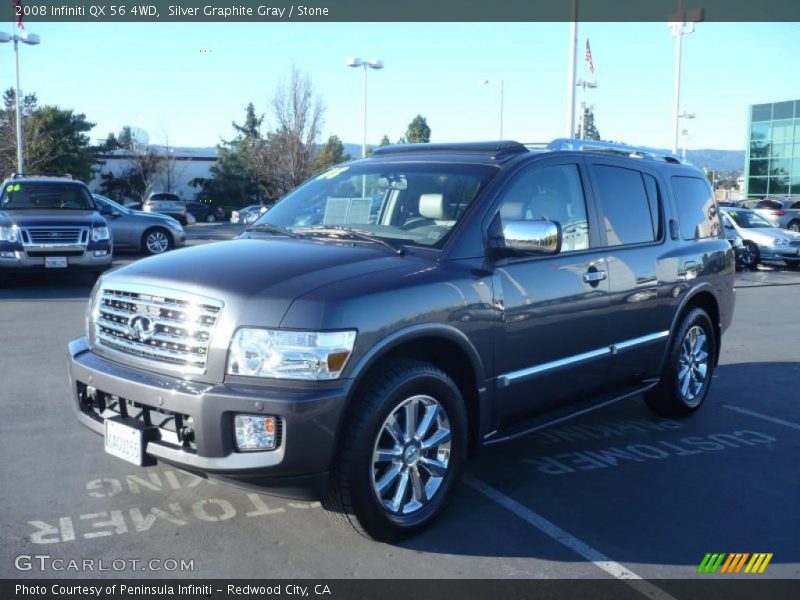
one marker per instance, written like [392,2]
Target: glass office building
[773,152]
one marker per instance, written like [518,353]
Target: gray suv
[394,314]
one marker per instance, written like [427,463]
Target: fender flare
[687,298]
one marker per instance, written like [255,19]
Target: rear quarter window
[698,214]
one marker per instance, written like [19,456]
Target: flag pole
[573,53]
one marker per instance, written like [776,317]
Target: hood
[260,276]
[765,235]
[150,215]
[55,218]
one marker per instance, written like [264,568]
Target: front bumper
[21,260]
[308,416]
[779,252]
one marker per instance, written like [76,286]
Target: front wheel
[686,377]
[402,452]
[156,241]
[750,256]
[211,218]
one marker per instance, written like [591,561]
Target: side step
[575,410]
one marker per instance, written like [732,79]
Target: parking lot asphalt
[615,493]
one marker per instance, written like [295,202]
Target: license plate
[55,262]
[124,442]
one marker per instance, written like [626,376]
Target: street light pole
[573,53]
[372,63]
[685,132]
[502,101]
[682,23]
[31,39]
[583,84]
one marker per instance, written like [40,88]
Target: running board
[576,410]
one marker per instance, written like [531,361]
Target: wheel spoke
[435,467]
[420,494]
[683,371]
[392,427]
[388,478]
[685,385]
[440,436]
[427,419]
[388,454]
[411,418]
[701,356]
[400,492]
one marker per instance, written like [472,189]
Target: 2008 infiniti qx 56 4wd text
[392,315]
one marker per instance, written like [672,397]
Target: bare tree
[286,158]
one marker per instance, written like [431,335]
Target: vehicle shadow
[718,495]
[49,286]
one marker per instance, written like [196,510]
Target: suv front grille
[55,235]
[159,326]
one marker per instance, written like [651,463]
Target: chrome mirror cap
[539,237]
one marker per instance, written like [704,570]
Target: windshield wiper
[267,228]
[338,230]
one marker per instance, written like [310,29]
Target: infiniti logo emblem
[141,327]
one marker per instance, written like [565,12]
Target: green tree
[55,140]
[138,180]
[418,132]
[385,141]
[590,131]
[125,138]
[331,153]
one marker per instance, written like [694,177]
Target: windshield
[45,196]
[749,220]
[415,204]
[102,200]
[164,197]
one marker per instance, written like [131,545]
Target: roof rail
[493,149]
[614,148]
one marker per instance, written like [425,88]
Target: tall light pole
[573,54]
[372,63]
[684,132]
[681,23]
[31,39]
[502,100]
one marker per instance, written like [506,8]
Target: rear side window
[628,212]
[697,211]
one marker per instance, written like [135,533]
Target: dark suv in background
[393,314]
[51,223]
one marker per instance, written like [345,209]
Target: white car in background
[764,241]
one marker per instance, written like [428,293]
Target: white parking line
[745,411]
[580,547]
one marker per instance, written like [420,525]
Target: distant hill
[717,160]
[730,161]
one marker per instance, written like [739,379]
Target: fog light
[101,252]
[254,433]
[7,255]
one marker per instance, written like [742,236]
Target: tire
[793,264]
[366,462]
[211,218]
[794,226]
[673,396]
[751,257]
[156,240]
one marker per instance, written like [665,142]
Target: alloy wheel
[693,365]
[157,242]
[411,455]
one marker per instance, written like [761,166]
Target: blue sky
[189,81]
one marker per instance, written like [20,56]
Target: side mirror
[532,237]
[106,210]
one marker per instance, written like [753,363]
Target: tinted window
[796,205]
[550,194]
[627,209]
[697,210]
[169,197]
[45,196]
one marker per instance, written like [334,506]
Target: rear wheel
[402,453]
[751,256]
[211,218]
[686,377]
[156,241]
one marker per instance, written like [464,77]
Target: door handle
[594,276]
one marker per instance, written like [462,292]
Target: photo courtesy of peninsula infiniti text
[392,315]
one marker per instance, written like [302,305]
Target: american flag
[18,12]
[588,56]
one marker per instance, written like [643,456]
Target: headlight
[174,224]
[290,354]
[9,233]
[100,234]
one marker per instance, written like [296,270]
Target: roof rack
[614,148]
[492,149]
